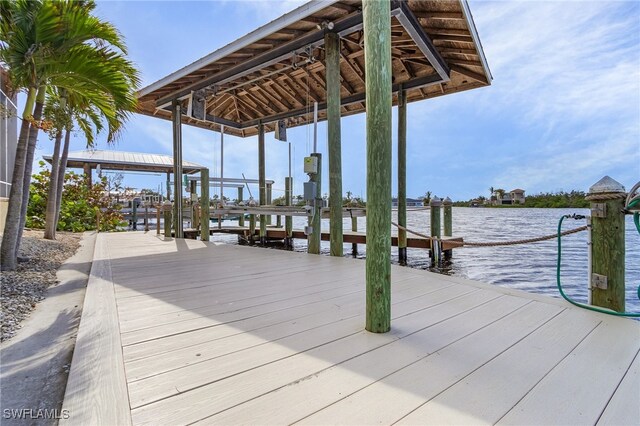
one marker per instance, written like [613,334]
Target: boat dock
[181,331]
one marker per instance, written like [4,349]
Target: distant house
[517,196]
[411,202]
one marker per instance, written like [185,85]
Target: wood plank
[602,358]
[624,406]
[485,395]
[96,391]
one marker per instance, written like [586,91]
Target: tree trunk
[50,219]
[61,173]
[8,258]
[28,165]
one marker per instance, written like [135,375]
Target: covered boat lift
[347,57]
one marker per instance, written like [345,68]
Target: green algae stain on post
[377,48]
[332,64]
[607,198]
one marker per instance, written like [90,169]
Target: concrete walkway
[35,363]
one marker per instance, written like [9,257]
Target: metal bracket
[599,281]
[598,210]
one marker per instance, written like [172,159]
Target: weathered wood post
[377,47]
[98,212]
[146,216]
[252,228]
[262,183]
[205,218]
[333,85]
[402,176]
[167,207]
[87,174]
[168,185]
[158,214]
[269,198]
[288,220]
[435,204]
[447,209]
[607,198]
[354,228]
[192,191]
[313,240]
[177,167]
[134,215]
[240,196]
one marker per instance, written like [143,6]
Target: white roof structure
[122,160]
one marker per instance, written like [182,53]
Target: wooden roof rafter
[433,42]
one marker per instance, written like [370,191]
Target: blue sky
[563,110]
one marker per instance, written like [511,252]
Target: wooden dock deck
[181,332]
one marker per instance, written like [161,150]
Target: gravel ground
[23,288]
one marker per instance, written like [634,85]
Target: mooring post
[354,228]
[158,215]
[447,209]
[402,176]
[269,201]
[262,183]
[168,185]
[377,47]
[607,198]
[193,185]
[134,215]
[333,85]
[195,212]
[435,204]
[240,196]
[252,228]
[313,240]
[288,220]
[167,207]
[146,216]
[204,202]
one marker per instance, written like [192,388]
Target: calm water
[530,267]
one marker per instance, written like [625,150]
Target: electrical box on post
[311,165]
[309,191]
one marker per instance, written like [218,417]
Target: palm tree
[58,43]
[491,191]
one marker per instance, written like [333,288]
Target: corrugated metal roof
[122,160]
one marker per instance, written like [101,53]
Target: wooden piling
[252,228]
[435,205]
[134,215]
[146,217]
[333,85]
[240,196]
[167,208]
[269,201]
[377,47]
[158,215]
[205,219]
[402,176]
[177,168]
[313,240]
[288,220]
[447,208]
[354,228]
[262,182]
[607,244]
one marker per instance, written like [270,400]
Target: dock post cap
[606,185]
[447,201]
[435,202]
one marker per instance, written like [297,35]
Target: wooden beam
[440,15]
[332,75]
[204,205]
[470,74]
[377,41]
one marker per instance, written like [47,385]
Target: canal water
[529,267]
